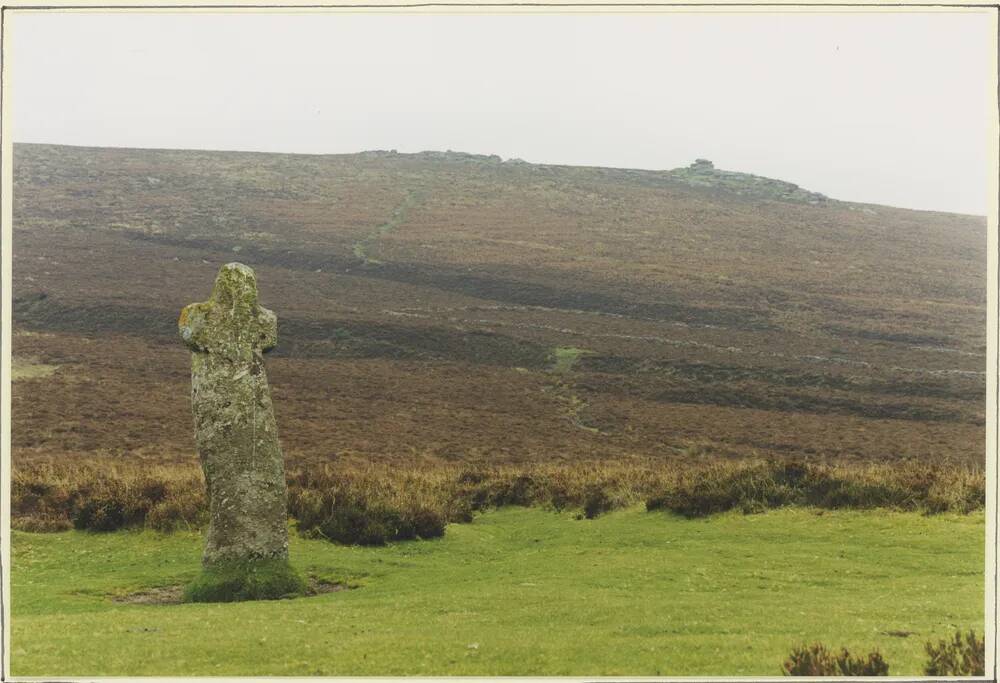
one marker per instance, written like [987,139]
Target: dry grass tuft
[375,503]
[761,485]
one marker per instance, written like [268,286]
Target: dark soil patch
[161,595]
[316,586]
[890,336]
[320,338]
[932,387]
[174,595]
[481,285]
[744,397]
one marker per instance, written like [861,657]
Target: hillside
[461,307]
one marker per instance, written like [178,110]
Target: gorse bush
[817,660]
[962,655]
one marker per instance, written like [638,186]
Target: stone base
[253,580]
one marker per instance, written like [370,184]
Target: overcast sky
[887,108]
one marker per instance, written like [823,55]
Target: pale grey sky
[887,108]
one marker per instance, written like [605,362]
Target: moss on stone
[235,430]
[270,579]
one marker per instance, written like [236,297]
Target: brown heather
[375,503]
[963,655]
[457,333]
[457,308]
[817,660]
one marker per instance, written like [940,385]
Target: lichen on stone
[235,430]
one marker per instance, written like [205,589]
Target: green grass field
[518,591]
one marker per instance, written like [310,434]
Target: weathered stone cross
[235,430]
[231,324]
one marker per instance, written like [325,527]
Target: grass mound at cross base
[518,591]
[238,581]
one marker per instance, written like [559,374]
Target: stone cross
[234,426]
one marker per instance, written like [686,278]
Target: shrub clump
[105,498]
[817,660]
[494,488]
[117,503]
[181,511]
[595,489]
[42,524]
[352,518]
[960,656]
[721,488]
[104,513]
[379,502]
[238,581]
[757,486]
[596,501]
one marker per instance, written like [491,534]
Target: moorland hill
[462,307]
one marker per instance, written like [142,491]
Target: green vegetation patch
[29,368]
[518,591]
[565,357]
[238,581]
[363,248]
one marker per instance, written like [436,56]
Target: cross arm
[193,324]
[268,322]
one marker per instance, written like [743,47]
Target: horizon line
[503,160]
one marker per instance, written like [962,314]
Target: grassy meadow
[517,591]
